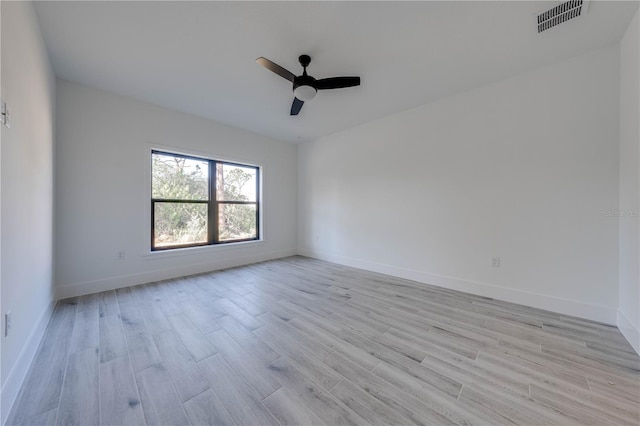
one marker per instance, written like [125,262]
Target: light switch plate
[4,114]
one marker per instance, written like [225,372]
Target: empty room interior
[320,213]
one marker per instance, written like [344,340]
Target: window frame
[213,204]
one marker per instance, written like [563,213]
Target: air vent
[562,13]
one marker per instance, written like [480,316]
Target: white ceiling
[199,57]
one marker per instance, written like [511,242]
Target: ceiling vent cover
[562,13]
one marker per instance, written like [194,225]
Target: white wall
[523,169]
[629,287]
[27,189]
[103,196]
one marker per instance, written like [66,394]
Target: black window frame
[213,204]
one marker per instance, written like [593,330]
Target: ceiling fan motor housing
[304,87]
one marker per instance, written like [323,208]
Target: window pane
[180,223]
[236,221]
[235,183]
[179,178]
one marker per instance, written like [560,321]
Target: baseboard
[570,307]
[112,283]
[19,371]
[629,331]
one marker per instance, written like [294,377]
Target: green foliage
[179,178]
[180,223]
[231,183]
[176,178]
[236,221]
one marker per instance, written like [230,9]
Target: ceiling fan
[305,87]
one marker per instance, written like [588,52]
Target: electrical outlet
[495,262]
[7,323]
[120,255]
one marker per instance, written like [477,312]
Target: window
[197,201]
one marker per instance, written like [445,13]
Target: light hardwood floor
[298,341]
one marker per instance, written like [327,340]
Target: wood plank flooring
[298,341]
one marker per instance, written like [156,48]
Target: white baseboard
[600,313]
[19,371]
[112,283]
[629,331]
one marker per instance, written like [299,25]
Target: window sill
[193,251]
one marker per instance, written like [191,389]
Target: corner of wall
[629,331]
[628,315]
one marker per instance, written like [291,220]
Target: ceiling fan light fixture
[305,86]
[305,92]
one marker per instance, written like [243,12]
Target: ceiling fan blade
[337,82]
[272,66]
[296,106]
